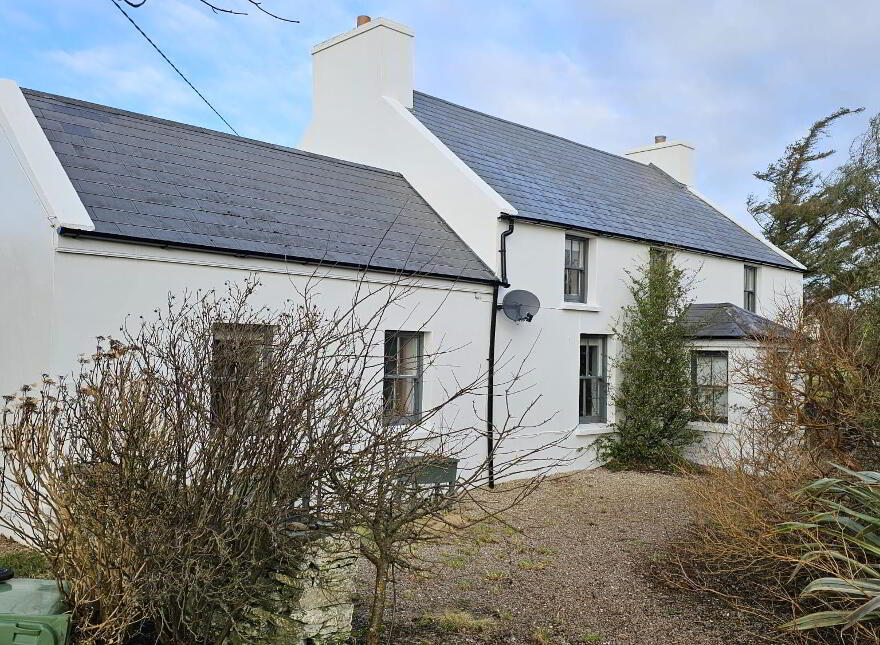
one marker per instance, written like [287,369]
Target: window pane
[589,402]
[750,278]
[403,397]
[591,386]
[390,353]
[710,385]
[574,253]
[408,356]
[749,301]
[402,384]
[719,369]
[703,369]
[573,279]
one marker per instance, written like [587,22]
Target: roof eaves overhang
[646,240]
[96,235]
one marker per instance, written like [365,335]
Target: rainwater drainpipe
[490,385]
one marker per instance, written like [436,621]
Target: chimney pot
[362,20]
[660,138]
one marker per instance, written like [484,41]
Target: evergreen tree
[652,397]
[830,221]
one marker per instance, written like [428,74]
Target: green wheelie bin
[32,612]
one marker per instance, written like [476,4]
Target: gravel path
[578,572]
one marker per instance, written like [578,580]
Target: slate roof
[150,180]
[551,179]
[726,320]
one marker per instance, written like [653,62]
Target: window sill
[717,427]
[580,306]
[590,429]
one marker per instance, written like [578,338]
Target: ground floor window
[402,386]
[709,383]
[237,353]
[592,381]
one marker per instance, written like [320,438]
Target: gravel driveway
[578,572]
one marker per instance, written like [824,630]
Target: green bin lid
[30,597]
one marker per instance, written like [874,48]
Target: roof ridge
[533,129]
[198,128]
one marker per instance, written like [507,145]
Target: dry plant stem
[815,386]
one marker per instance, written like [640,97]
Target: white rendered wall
[127,279]
[87,288]
[361,116]
[535,263]
[26,275]
[36,196]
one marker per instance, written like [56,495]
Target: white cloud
[123,75]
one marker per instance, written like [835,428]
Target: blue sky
[739,79]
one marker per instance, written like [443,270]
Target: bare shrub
[813,386]
[160,478]
[391,494]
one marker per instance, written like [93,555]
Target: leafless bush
[159,479]
[393,493]
[813,387]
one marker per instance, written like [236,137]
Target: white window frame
[697,388]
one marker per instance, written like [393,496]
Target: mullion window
[592,381]
[402,385]
[750,283]
[575,279]
[710,386]
[238,351]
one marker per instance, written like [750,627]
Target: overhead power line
[173,66]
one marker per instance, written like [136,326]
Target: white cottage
[554,217]
[104,212]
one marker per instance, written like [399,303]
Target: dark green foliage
[831,221]
[840,547]
[26,564]
[652,398]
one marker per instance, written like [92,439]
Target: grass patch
[532,565]
[591,637]
[26,564]
[457,621]
[457,562]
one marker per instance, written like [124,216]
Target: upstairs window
[593,386]
[402,385]
[750,283]
[709,383]
[575,269]
[657,256]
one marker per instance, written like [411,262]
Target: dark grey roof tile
[551,179]
[726,320]
[163,182]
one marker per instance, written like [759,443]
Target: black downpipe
[490,385]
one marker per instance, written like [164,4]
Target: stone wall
[309,602]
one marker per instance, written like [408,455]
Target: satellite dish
[520,305]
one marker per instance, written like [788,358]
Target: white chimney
[675,158]
[371,61]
